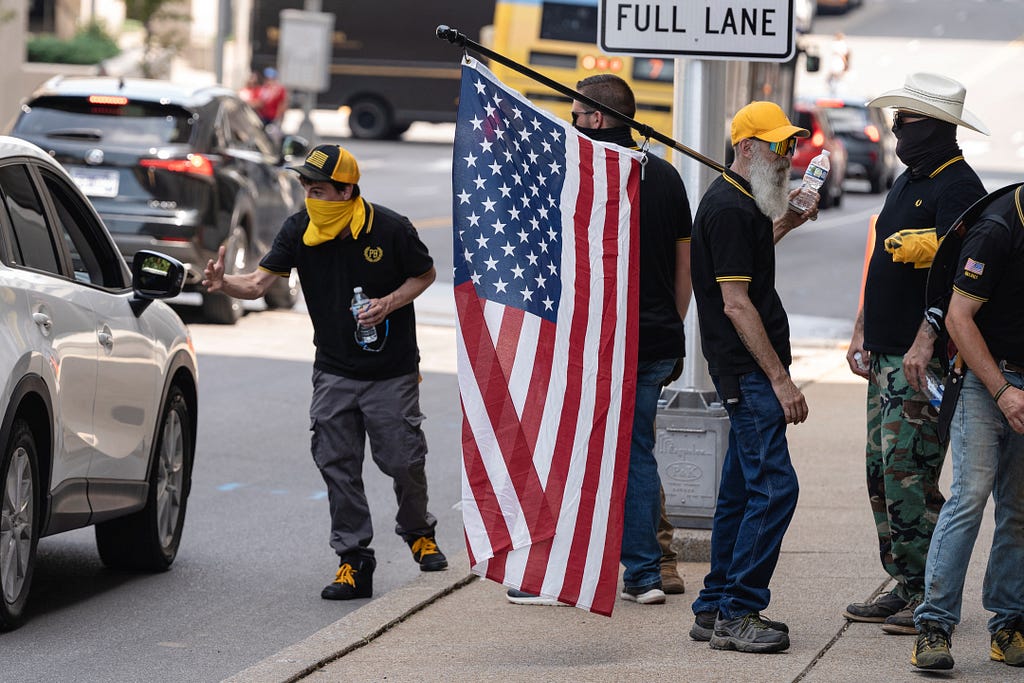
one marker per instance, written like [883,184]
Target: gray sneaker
[902,623]
[517,597]
[704,626]
[749,633]
[883,607]
[651,596]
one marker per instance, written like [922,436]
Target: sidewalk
[451,626]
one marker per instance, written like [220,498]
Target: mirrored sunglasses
[784,148]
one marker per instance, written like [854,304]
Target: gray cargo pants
[342,414]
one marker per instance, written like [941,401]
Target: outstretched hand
[213,273]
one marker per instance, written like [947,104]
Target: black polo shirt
[734,241]
[894,293]
[992,271]
[664,222]
[386,254]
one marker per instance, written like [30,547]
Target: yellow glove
[916,246]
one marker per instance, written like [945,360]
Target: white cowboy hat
[932,95]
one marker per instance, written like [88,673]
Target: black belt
[1010,366]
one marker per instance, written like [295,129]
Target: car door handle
[43,321]
[106,339]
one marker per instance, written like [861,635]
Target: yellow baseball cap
[764,121]
[329,163]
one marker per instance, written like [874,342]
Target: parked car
[837,6]
[97,383]
[813,118]
[867,134]
[171,167]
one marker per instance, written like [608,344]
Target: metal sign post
[304,58]
[692,425]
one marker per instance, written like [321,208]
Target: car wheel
[283,293]
[370,119]
[877,183]
[19,531]
[218,307]
[826,197]
[149,538]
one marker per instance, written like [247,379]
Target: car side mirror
[294,146]
[155,276]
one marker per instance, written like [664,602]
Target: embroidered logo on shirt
[373,254]
[973,269]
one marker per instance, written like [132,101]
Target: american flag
[546,271]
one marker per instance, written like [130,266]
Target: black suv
[178,169]
[867,134]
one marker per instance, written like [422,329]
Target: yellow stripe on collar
[736,184]
[941,168]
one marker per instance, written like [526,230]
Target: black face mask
[918,142]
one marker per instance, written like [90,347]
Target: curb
[358,628]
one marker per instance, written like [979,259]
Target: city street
[255,555]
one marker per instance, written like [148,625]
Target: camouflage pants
[904,460]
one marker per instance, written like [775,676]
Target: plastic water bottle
[365,334]
[814,178]
[934,388]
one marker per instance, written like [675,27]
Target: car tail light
[193,164]
[818,139]
[871,130]
[830,103]
[110,100]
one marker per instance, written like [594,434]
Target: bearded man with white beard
[745,335]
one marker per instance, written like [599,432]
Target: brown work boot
[671,582]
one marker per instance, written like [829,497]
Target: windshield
[132,124]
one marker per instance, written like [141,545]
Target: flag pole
[456,37]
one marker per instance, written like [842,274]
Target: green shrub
[91,45]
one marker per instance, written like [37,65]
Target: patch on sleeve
[973,269]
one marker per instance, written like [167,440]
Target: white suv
[97,382]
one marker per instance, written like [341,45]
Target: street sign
[756,30]
[304,50]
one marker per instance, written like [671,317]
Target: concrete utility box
[692,438]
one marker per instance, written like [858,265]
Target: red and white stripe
[548,408]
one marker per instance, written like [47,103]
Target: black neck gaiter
[923,145]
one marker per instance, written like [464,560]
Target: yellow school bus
[558,39]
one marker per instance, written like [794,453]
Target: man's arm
[857,346]
[963,330]
[247,286]
[380,309]
[744,318]
[915,361]
[684,287]
[791,219]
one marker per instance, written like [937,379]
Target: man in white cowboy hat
[893,348]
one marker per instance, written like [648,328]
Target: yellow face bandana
[327,220]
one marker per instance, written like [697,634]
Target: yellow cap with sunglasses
[765,121]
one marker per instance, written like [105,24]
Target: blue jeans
[756,500]
[988,458]
[641,553]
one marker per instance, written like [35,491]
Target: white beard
[769,181]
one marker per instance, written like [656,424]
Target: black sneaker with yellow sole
[428,555]
[353,581]
[1008,645]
